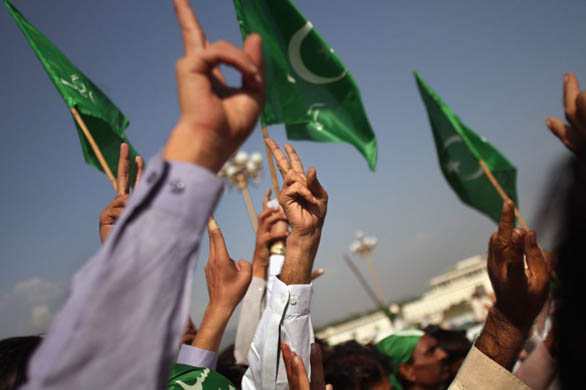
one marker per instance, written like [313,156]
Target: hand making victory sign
[305,203]
[215,118]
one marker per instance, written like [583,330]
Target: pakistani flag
[103,119]
[307,87]
[459,149]
[184,377]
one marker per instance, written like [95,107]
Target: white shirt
[286,319]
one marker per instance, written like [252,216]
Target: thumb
[244,269]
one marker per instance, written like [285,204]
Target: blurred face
[429,368]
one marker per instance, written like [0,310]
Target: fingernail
[257,78]
[295,361]
[566,77]
[253,68]
[212,224]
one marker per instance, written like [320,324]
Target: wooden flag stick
[244,188]
[95,147]
[363,282]
[265,134]
[501,192]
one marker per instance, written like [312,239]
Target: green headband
[399,347]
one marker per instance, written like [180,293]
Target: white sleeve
[286,319]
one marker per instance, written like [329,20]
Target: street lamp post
[364,247]
[238,171]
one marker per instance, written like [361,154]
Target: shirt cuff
[197,357]
[481,372]
[296,298]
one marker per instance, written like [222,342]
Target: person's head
[418,361]
[454,343]
[357,367]
[15,354]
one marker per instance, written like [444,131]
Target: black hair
[15,353]
[454,342]
[354,366]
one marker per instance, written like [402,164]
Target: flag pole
[244,188]
[501,192]
[95,147]
[265,134]
[365,285]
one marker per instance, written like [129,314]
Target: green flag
[105,122]
[307,87]
[184,377]
[459,150]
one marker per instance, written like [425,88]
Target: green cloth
[399,347]
[105,122]
[459,150]
[184,377]
[307,87]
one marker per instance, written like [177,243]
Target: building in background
[363,329]
[456,298]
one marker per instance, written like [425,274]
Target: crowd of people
[125,324]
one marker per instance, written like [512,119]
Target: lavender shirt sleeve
[121,325]
[197,357]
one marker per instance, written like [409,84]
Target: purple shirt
[121,325]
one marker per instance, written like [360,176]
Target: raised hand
[572,134]
[520,292]
[215,118]
[303,198]
[297,374]
[227,280]
[266,236]
[112,212]
[305,203]
[227,283]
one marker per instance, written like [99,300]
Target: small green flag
[459,149]
[184,377]
[103,119]
[307,87]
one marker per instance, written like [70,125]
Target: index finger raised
[280,158]
[506,223]
[193,36]
[123,174]
[296,163]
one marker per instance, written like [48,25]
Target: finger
[139,168]
[222,53]
[300,373]
[252,47]
[287,359]
[277,236]
[123,174]
[274,218]
[280,158]
[317,369]
[264,215]
[560,130]
[515,264]
[212,225]
[119,201]
[266,199]
[571,91]
[314,185]
[220,251]
[535,260]
[193,35]
[506,225]
[296,163]
[299,190]
[317,273]
[217,72]
[581,109]
[244,270]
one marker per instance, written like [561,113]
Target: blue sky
[498,64]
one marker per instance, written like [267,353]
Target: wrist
[260,270]
[189,144]
[501,340]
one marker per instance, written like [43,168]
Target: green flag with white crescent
[459,149]
[307,87]
[185,377]
[105,122]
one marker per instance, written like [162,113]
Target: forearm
[299,258]
[140,276]
[500,340]
[211,331]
